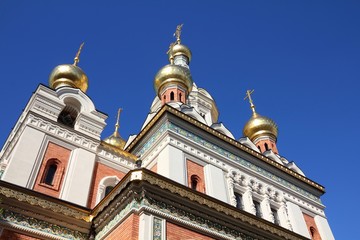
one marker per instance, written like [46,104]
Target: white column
[78,178]
[24,155]
[215,182]
[232,198]
[283,217]
[266,209]
[324,228]
[171,164]
[297,220]
[145,226]
[248,201]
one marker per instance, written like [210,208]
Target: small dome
[116,140]
[68,75]
[173,74]
[259,126]
[180,49]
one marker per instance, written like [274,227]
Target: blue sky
[301,57]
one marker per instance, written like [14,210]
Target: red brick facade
[101,171]
[310,223]
[175,232]
[128,229]
[54,155]
[195,172]
[10,235]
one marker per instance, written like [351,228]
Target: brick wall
[10,235]
[60,155]
[311,226]
[101,171]
[175,232]
[128,229]
[197,170]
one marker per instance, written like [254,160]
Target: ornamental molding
[209,150]
[150,192]
[133,146]
[13,220]
[36,201]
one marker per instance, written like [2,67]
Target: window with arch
[276,216]
[257,209]
[50,174]
[195,180]
[68,116]
[53,171]
[266,146]
[180,96]
[172,96]
[239,200]
[314,233]
[105,186]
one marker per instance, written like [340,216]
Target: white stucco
[324,228]
[215,182]
[171,164]
[23,158]
[297,220]
[77,181]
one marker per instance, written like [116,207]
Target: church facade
[183,176]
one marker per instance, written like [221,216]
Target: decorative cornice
[62,208]
[223,137]
[154,193]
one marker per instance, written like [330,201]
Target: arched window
[68,116]
[239,201]
[257,209]
[108,189]
[50,174]
[172,96]
[164,97]
[276,216]
[259,148]
[105,186]
[266,147]
[180,97]
[194,182]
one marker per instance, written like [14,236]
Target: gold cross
[77,57]
[177,33]
[248,95]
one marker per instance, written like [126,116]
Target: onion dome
[179,49]
[115,139]
[173,74]
[69,75]
[259,126]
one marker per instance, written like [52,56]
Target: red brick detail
[178,95]
[195,172]
[128,229]
[154,168]
[54,155]
[270,143]
[175,232]
[10,235]
[101,171]
[311,226]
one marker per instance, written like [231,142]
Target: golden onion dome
[259,126]
[173,74]
[68,75]
[116,140]
[180,49]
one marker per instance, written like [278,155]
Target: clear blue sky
[301,57]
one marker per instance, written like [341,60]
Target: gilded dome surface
[173,74]
[116,141]
[259,126]
[68,75]
[180,49]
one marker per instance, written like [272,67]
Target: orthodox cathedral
[183,176]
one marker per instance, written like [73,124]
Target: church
[182,176]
